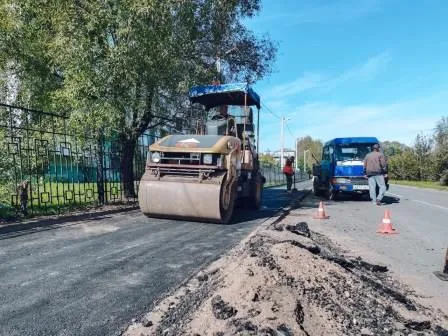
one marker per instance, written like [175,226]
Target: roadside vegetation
[308,151]
[425,164]
[52,198]
[421,184]
[114,70]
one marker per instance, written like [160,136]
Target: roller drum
[179,199]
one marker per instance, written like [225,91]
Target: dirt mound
[286,280]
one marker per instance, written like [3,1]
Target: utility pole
[282,141]
[304,159]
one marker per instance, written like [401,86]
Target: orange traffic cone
[386,225]
[321,212]
[444,274]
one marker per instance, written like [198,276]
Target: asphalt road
[421,218]
[92,277]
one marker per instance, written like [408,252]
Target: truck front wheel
[316,190]
[331,193]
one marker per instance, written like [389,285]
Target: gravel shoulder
[284,279]
[412,255]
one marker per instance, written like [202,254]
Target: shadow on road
[273,200]
[357,198]
[45,224]
[313,201]
[390,200]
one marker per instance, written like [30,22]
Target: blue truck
[341,167]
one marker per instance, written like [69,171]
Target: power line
[289,130]
[270,111]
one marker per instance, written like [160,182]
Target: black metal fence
[62,168]
[273,174]
[275,177]
[52,167]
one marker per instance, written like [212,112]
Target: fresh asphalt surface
[92,277]
[420,216]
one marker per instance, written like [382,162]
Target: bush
[444,178]
[404,166]
[4,193]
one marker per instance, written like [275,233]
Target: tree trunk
[100,169]
[127,167]
[128,140]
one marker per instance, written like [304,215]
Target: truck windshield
[352,151]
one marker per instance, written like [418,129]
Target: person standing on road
[289,173]
[375,169]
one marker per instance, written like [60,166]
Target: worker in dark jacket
[375,169]
[288,170]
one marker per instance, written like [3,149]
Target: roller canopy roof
[224,94]
[355,140]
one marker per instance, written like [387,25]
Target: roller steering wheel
[218,117]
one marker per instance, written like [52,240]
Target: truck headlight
[155,157]
[207,158]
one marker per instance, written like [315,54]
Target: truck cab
[341,167]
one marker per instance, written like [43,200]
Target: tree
[441,150]
[404,166]
[422,149]
[120,65]
[313,145]
[441,134]
[267,159]
[391,148]
[426,160]
[6,175]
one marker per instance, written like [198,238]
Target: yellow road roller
[203,176]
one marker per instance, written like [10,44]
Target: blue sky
[354,68]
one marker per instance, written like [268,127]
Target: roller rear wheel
[256,194]
[227,204]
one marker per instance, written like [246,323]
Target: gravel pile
[285,280]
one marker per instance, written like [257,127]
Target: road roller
[205,175]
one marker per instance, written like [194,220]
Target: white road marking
[421,202]
[433,205]
[419,188]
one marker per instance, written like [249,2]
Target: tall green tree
[267,159]
[404,166]
[314,147]
[441,150]
[423,151]
[392,148]
[118,65]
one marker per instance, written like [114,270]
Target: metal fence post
[294,181]
[100,168]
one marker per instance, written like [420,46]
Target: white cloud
[399,120]
[314,81]
[364,72]
[305,82]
